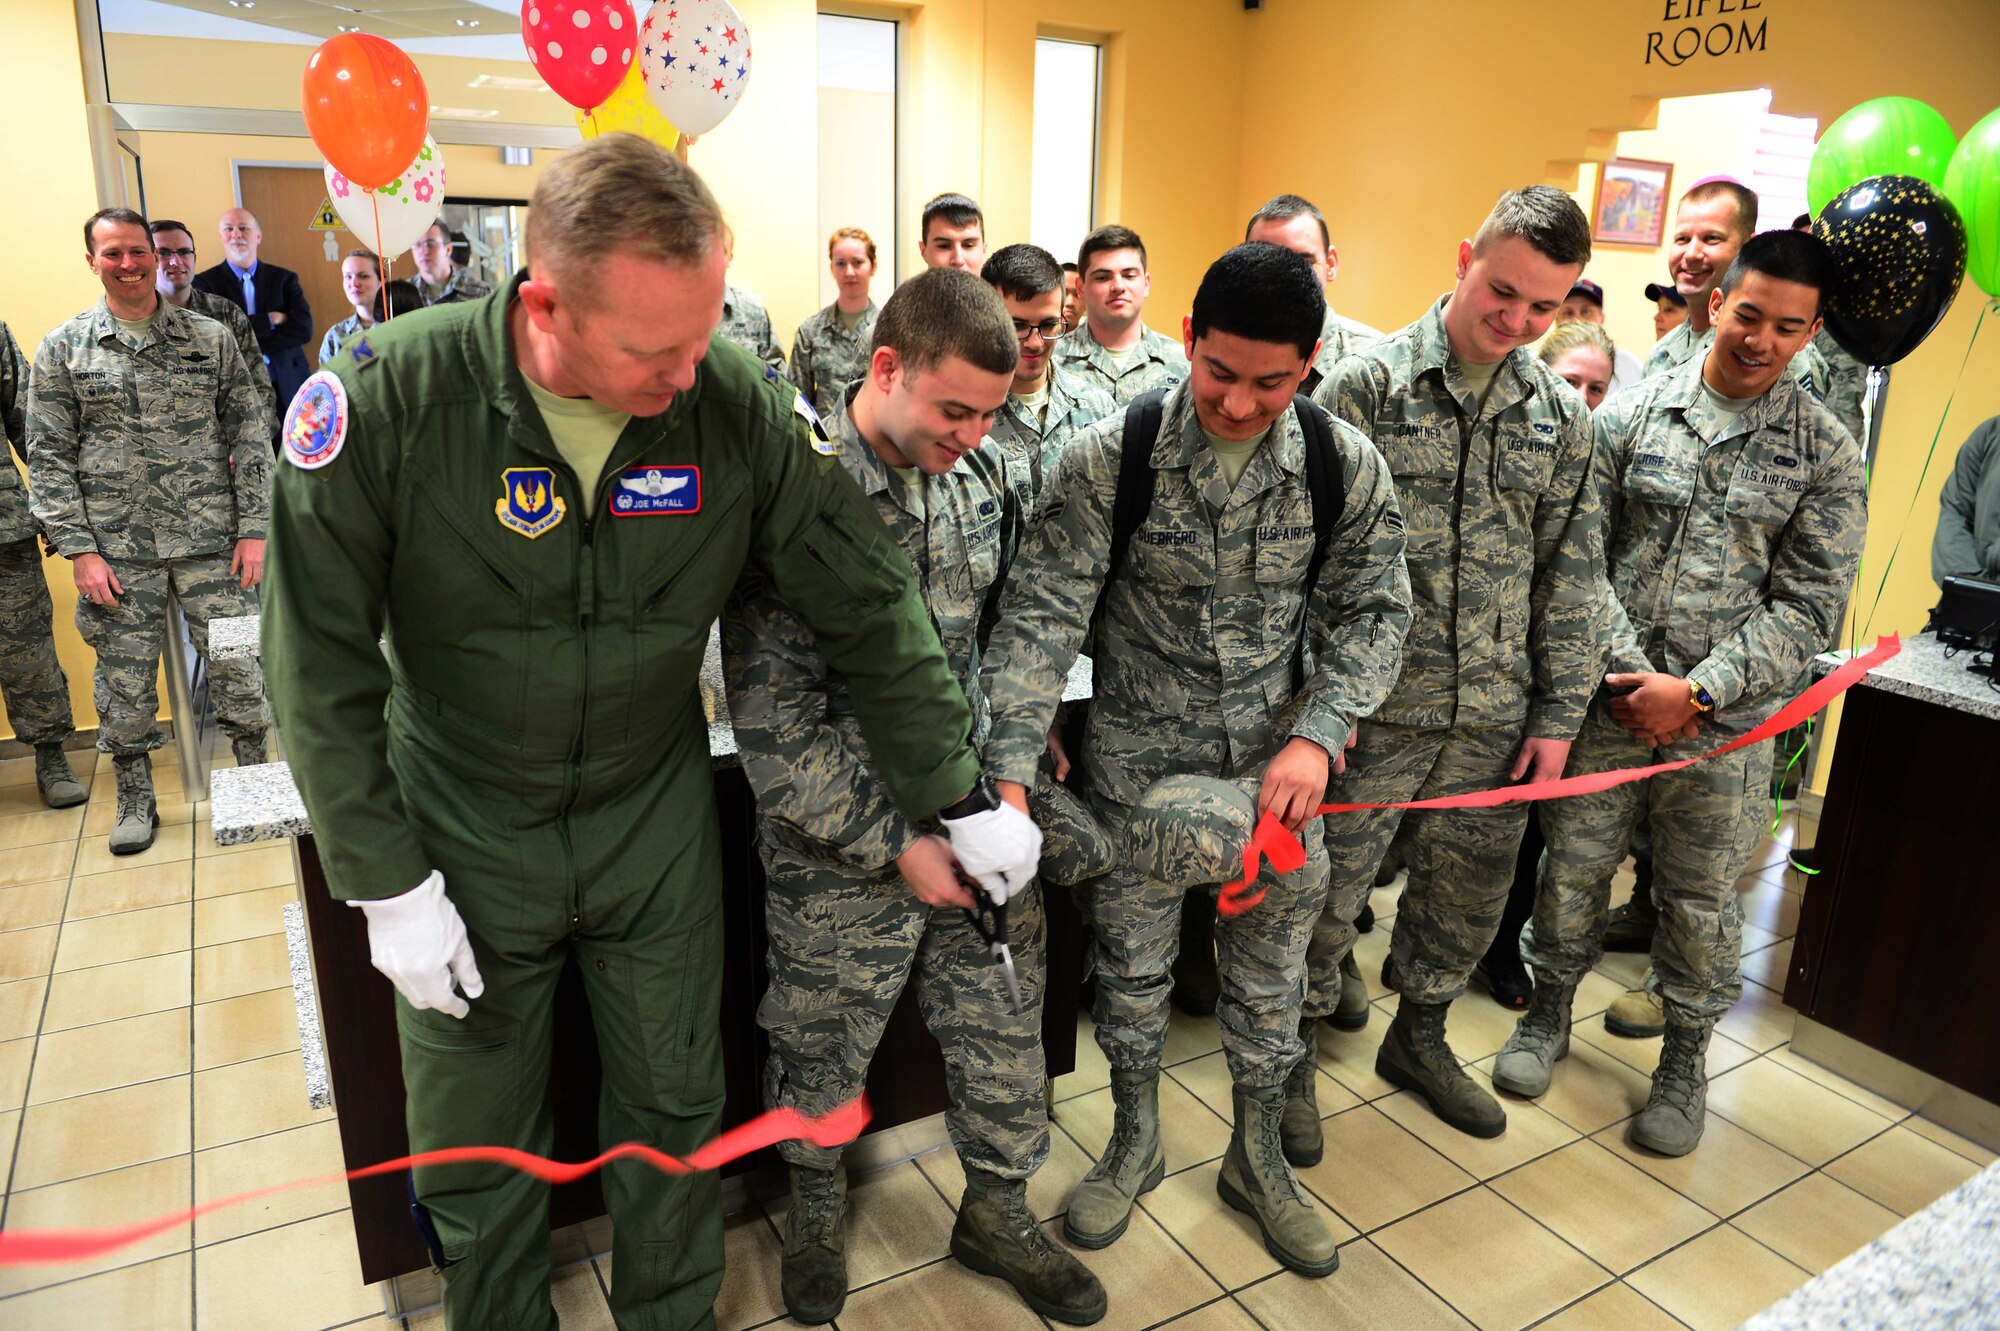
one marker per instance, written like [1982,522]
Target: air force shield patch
[530,505]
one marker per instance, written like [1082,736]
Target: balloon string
[375,207]
[1272,841]
[1917,492]
[23,1246]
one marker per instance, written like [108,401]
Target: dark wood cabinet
[1900,930]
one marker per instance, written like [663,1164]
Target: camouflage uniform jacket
[1199,630]
[826,358]
[802,748]
[1731,542]
[463,284]
[17,523]
[1846,383]
[1032,449]
[131,444]
[231,316]
[1162,363]
[337,336]
[1503,531]
[1683,345]
[1338,338]
[747,323]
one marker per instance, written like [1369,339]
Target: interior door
[285,200]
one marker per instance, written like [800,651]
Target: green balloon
[1889,136]
[1972,182]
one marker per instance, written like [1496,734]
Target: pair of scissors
[989,921]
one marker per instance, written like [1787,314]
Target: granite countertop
[255,804]
[232,639]
[1939,1270]
[1929,671]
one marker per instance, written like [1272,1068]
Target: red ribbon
[843,1125]
[1271,841]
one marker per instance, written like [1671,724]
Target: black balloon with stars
[1900,249]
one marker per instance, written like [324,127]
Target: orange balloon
[366,107]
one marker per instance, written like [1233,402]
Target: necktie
[249,295]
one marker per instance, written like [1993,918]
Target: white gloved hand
[1000,848]
[419,942]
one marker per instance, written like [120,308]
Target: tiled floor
[149,1061]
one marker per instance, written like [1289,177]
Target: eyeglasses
[1052,330]
[431,245]
[175,254]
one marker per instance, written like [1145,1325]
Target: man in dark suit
[270,295]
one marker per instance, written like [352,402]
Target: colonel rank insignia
[530,505]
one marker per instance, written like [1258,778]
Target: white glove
[1000,848]
[419,942]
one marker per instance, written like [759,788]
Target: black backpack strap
[1326,482]
[1134,498]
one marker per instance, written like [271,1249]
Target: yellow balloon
[629,111]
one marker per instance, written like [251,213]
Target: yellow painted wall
[41,108]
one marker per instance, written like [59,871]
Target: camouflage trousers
[31,679]
[1705,822]
[1460,861]
[1259,957]
[843,946]
[130,636]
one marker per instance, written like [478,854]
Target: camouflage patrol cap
[1075,846]
[1190,831]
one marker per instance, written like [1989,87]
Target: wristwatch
[1703,700]
[985,797]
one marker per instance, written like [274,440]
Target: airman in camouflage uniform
[176,284]
[1503,647]
[1197,643]
[1299,225]
[1047,404]
[1736,508]
[827,356]
[31,677]
[846,933]
[149,451]
[1115,287]
[747,323]
[438,280]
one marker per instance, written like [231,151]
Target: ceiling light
[242,4]
[347,27]
[466,23]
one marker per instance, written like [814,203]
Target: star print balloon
[1899,248]
[695,56]
[581,48]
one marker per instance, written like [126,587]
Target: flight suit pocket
[666,990]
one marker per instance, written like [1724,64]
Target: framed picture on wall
[1631,206]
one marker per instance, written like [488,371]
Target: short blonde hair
[621,194]
[1566,338]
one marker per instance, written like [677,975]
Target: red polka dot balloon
[581,48]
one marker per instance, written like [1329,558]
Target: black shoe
[1805,859]
[1507,979]
[1364,923]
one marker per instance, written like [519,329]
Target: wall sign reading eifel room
[1709,28]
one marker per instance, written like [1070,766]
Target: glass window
[857,141]
[1062,200]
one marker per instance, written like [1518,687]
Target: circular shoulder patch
[316,422]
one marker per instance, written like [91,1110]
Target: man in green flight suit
[543,497]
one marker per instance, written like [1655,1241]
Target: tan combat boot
[1305,1143]
[1133,1162]
[996,1235]
[812,1273]
[1256,1181]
